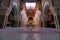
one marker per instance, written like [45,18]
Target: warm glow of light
[30,5]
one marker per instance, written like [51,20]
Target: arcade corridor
[29,20]
[35,13]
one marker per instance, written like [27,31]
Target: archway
[50,22]
[12,18]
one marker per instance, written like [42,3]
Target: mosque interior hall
[37,15]
[30,13]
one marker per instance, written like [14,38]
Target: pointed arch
[12,18]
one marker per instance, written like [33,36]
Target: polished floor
[25,33]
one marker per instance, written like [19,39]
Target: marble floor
[25,33]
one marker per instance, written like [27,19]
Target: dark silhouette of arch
[11,17]
[49,23]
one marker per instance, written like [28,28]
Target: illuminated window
[15,4]
[30,5]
